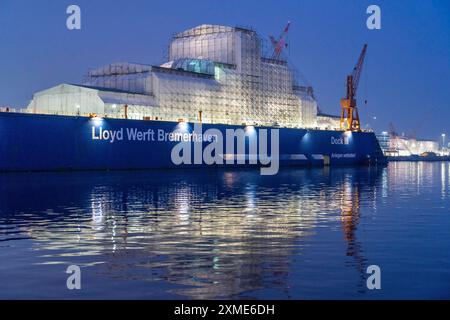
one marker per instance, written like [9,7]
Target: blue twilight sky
[406,79]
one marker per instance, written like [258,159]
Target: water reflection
[350,215]
[422,175]
[209,234]
[444,170]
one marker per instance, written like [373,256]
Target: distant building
[405,146]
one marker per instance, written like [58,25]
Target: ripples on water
[305,233]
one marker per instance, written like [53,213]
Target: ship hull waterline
[34,142]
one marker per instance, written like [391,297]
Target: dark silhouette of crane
[349,115]
[392,130]
[279,44]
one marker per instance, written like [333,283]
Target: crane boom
[358,69]
[349,115]
[279,44]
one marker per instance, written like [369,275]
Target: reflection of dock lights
[96,119]
[182,126]
[250,130]
[348,137]
[306,136]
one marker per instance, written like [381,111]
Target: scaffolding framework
[216,71]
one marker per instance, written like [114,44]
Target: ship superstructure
[215,74]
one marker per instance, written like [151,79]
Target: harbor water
[307,233]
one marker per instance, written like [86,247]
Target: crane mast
[349,114]
[279,44]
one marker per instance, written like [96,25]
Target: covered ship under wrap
[124,115]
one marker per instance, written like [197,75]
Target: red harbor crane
[279,44]
[349,116]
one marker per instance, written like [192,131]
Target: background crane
[349,115]
[279,44]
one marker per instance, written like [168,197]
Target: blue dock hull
[30,142]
